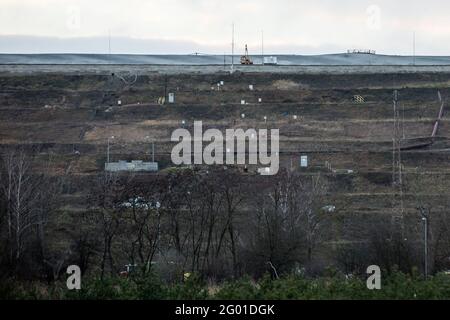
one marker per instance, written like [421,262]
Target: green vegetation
[292,287]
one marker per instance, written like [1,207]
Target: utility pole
[397,174]
[153,152]
[425,220]
[403,122]
[107,153]
[165,88]
[107,149]
[397,167]
[425,240]
[153,148]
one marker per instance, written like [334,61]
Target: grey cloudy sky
[187,26]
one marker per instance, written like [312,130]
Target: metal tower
[397,167]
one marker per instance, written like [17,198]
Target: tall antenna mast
[109,42]
[232,47]
[262,46]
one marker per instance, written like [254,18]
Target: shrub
[194,288]
[242,289]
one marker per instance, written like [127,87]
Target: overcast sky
[187,26]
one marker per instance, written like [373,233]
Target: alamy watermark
[73,21]
[74,279]
[374,280]
[231,148]
[373,21]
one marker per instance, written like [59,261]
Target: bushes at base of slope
[150,287]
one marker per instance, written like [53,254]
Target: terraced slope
[70,115]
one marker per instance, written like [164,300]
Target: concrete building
[134,165]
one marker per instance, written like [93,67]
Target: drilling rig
[245,59]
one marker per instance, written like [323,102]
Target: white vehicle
[141,203]
[329,208]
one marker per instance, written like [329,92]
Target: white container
[304,161]
[171,97]
[270,60]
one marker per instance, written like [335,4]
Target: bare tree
[22,192]
[30,198]
[313,212]
[105,201]
[203,210]
[143,221]
[289,220]
[233,191]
